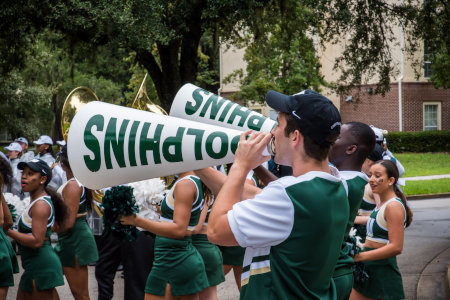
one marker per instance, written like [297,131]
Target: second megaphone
[110,145]
[196,104]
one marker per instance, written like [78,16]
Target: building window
[427,67]
[431,116]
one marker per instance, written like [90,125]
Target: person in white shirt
[44,148]
[14,150]
[27,155]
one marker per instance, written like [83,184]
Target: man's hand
[249,152]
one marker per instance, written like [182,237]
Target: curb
[434,280]
[427,196]
[447,283]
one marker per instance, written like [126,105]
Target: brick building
[423,107]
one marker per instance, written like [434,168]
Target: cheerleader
[42,268]
[8,260]
[178,270]
[76,246]
[212,257]
[385,235]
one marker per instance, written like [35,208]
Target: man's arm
[248,156]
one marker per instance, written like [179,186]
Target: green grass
[424,187]
[422,164]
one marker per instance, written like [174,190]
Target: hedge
[421,141]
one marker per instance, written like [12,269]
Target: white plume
[148,195]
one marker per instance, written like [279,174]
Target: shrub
[421,141]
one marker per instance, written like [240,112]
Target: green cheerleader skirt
[212,258]
[384,279]
[12,253]
[78,242]
[7,269]
[233,256]
[179,264]
[41,265]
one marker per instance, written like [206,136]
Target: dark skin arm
[39,213]
[7,217]
[264,175]
[214,180]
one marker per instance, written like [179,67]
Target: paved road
[425,257]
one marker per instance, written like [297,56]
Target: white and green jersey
[377,226]
[368,203]
[356,182]
[293,231]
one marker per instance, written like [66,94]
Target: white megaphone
[110,145]
[196,104]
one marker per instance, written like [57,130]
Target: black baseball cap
[37,165]
[315,115]
[377,153]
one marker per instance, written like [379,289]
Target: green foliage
[423,164]
[25,110]
[432,25]
[280,52]
[423,141]
[365,29]
[177,41]
[426,187]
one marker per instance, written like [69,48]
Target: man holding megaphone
[293,228]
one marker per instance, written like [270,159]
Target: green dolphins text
[170,148]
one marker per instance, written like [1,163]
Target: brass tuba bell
[74,101]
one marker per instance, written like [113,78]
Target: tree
[164,35]
[434,28]
[280,52]
[36,94]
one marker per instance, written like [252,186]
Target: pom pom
[16,204]
[354,247]
[359,273]
[119,201]
[12,210]
[148,195]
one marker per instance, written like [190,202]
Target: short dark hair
[365,138]
[312,149]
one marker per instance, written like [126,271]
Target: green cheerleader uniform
[211,255]
[78,242]
[384,275]
[177,262]
[8,261]
[343,272]
[367,206]
[42,264]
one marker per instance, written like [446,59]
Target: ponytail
[61,210]
[207,194]
[392,171]
[88,193]
[409,213]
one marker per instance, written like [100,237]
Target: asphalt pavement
[423,263]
